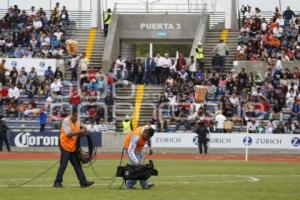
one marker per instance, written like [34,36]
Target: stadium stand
[171,94]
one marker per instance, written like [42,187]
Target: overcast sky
[265,5]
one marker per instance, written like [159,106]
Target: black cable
[115,176]
[35,177]
[89,158]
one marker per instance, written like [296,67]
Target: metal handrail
[159,8]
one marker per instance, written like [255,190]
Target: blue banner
[44,139]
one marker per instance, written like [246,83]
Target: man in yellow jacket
[127,125]
[70,130]
[199,55]
[133,144]
[107,21]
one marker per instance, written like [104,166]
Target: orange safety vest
[141,143]
[69,143]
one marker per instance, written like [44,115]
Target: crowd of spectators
[32,34]
[28,34]
[264,39]
[234,101]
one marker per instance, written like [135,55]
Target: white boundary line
[244,178]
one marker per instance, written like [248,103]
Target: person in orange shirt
[133,145]
[69,133]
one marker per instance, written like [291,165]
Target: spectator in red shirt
[3,96]
[75,96]
[92,113]
[181,62]
[261,108]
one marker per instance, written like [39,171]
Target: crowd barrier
[40,65]
[228,140]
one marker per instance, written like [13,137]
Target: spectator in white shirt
[167,63]
[280,21]
[83,63]
[290,97]
[32,11]
[119,66]
[56,87]
[278,66]
[14,93]
[251,126]
[159,61]
[37,24]
[264,25]
[257,93]
[58,33]
[220,119]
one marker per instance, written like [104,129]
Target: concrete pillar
[234,16]
[95,13]
[228,14]
[99,13]
[231,18]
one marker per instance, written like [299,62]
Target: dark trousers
[147,79]
[74,74]
[106,29]
[5,140]
[202,145]
[165,74]
[200,63]
[158,75]
[2,79]
[42,128]
[222,62]
[65,157]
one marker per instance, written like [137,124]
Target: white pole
[280,5]
[151,50]
[246,143]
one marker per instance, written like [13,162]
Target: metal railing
[133,8]
[216,20]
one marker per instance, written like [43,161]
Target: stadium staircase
[212,39]
[137,101]
[92,42]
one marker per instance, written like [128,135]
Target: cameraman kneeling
[134,144]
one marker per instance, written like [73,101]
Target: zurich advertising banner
[40,65]
[217,140]
[44,139]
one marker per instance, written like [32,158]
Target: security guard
[70,130]
[199,55]
[133,144]
[107,21]
[202,131]
[3,134]
[127,125]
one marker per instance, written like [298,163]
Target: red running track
[115,156]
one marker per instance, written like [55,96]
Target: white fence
[228,141]
[40,65]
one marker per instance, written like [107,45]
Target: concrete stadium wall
[261,67]
[201,32]
[112,44]
[158,26]
[134,28]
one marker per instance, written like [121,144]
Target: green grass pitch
[177,180]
